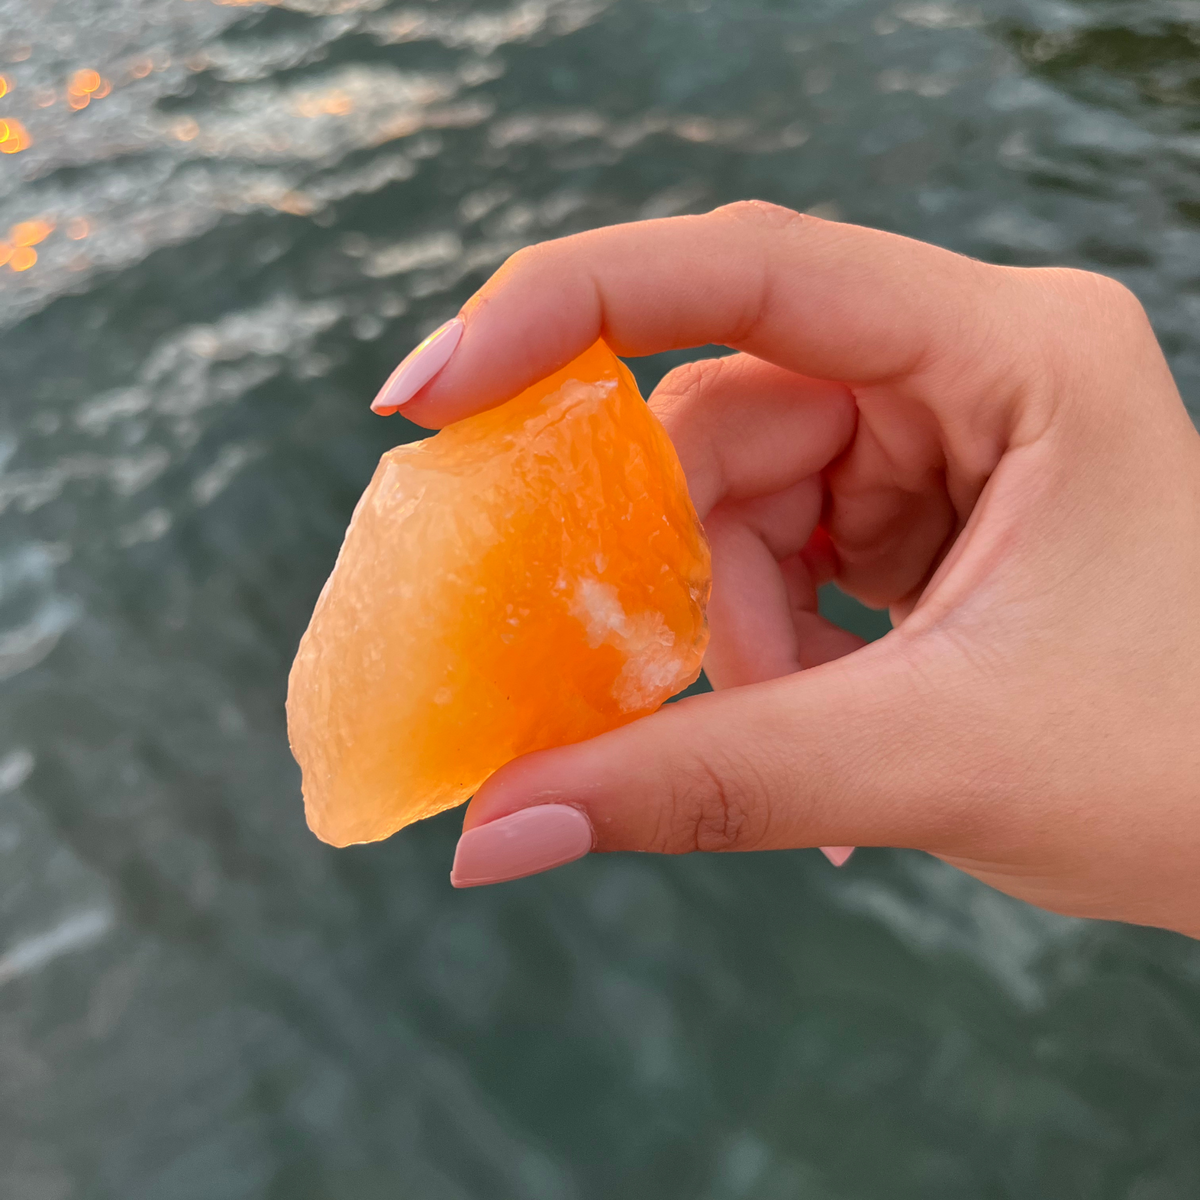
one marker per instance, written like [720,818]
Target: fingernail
[419,367]
[524,843]
[837,854]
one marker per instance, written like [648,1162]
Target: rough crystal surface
[531,576]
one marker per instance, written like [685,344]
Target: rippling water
[242,215]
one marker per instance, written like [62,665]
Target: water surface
[255,213]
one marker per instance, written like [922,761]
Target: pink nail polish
[419,367]
[837,854]
[523,843]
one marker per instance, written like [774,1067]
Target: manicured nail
[523,843]
[418,368]
[837,854]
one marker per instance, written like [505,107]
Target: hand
[1001,458]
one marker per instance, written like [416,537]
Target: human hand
[1003,460]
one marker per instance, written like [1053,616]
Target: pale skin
[999,456]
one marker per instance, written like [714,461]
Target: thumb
[846,753]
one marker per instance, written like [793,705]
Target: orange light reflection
[30,233]
[84,83]
[13,137]
[334,104]
[23,257]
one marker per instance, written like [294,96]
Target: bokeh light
[85,86]
[30,233]
[13,136]
[23,257]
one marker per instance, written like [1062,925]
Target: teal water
[198,1001]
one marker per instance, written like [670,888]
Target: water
[268,207]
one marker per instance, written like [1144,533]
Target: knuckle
[1100,300]
[765,230]
[762,212]
[537,258]
[1103,290]
[684,386]
[705,811]
[683,403]
[521,259]
[1101,344]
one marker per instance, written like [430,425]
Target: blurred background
[223,224]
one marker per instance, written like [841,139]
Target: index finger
[817,297]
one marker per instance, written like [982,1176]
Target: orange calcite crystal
[530,576]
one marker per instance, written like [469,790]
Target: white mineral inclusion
[644,639]
[576,394]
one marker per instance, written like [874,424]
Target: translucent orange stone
[530,576]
